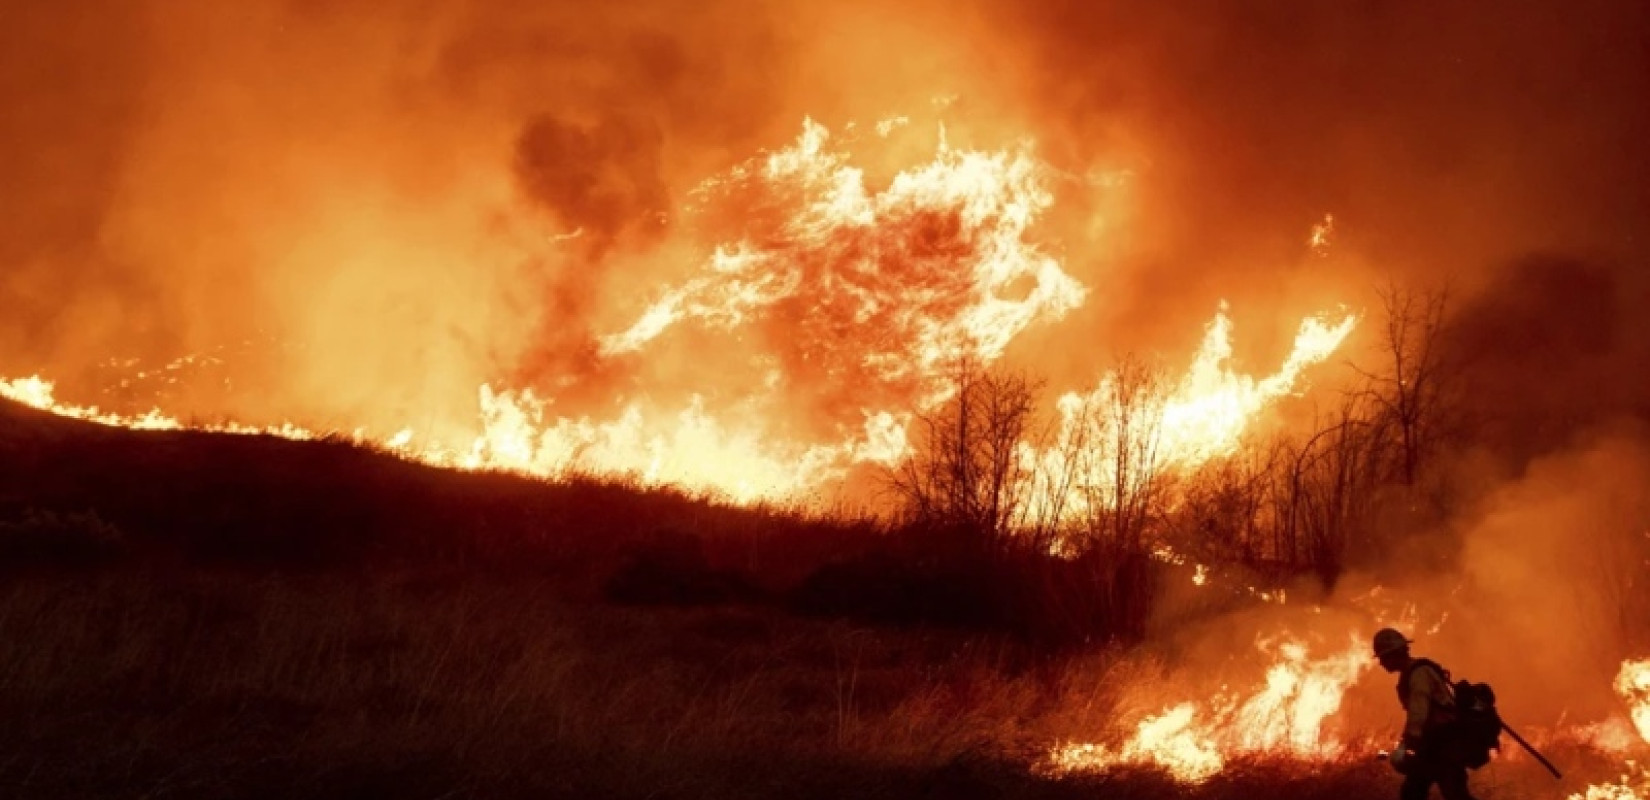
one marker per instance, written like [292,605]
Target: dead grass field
[186,616]
[130,684]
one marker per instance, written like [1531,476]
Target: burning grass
[224,685]
[218,684]
[268,618]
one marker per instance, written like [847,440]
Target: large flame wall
[369,212]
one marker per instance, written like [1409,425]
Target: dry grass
[185,616]
[225,685]
[222,685]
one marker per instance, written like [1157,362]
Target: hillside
[265,502]
[214,616]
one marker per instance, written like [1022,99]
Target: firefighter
[1425,755]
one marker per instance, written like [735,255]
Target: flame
[1627,789]
[1300,694]
[1202,417]
[1284,717]
[918,275]
[849,303]
[693,450]
[1171,740]
[1208,412]
[1633,684]
[1323,234]
[37,392]
[853,303]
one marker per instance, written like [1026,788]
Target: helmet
[1388,640]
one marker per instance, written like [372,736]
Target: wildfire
[37,392]
[1284,717]
[842,304]
[1208,412]
[1127,429]
[1633,684]
[916,276]
[693,450]
[1323,235]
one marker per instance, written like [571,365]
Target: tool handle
[1531,750]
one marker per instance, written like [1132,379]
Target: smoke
[1446,142]
[371,209]
[1549,349]
[394,203]
[1554,568]
[601,182]
[1502,155]
[400,197]
[1540,592]
[1540,562]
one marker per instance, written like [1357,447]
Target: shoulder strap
[1403,680]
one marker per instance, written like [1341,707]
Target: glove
[1403,756]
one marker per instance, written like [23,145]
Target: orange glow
[37,392]
[852,251]
[1285,717]
[1633,684]
[846,305]
[1628,788]
[1200,417]
[1375,272]
[1323,235]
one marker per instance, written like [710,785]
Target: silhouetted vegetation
[198,615]
[34,537]
[212,684]
[1299,499]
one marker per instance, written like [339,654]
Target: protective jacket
[1429,706]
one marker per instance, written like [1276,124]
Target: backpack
[1476,728]
[1477,725]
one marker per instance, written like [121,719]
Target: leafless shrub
[1225,508]
[1412,388]
[966,473]
[1116,451]
[1332,480]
